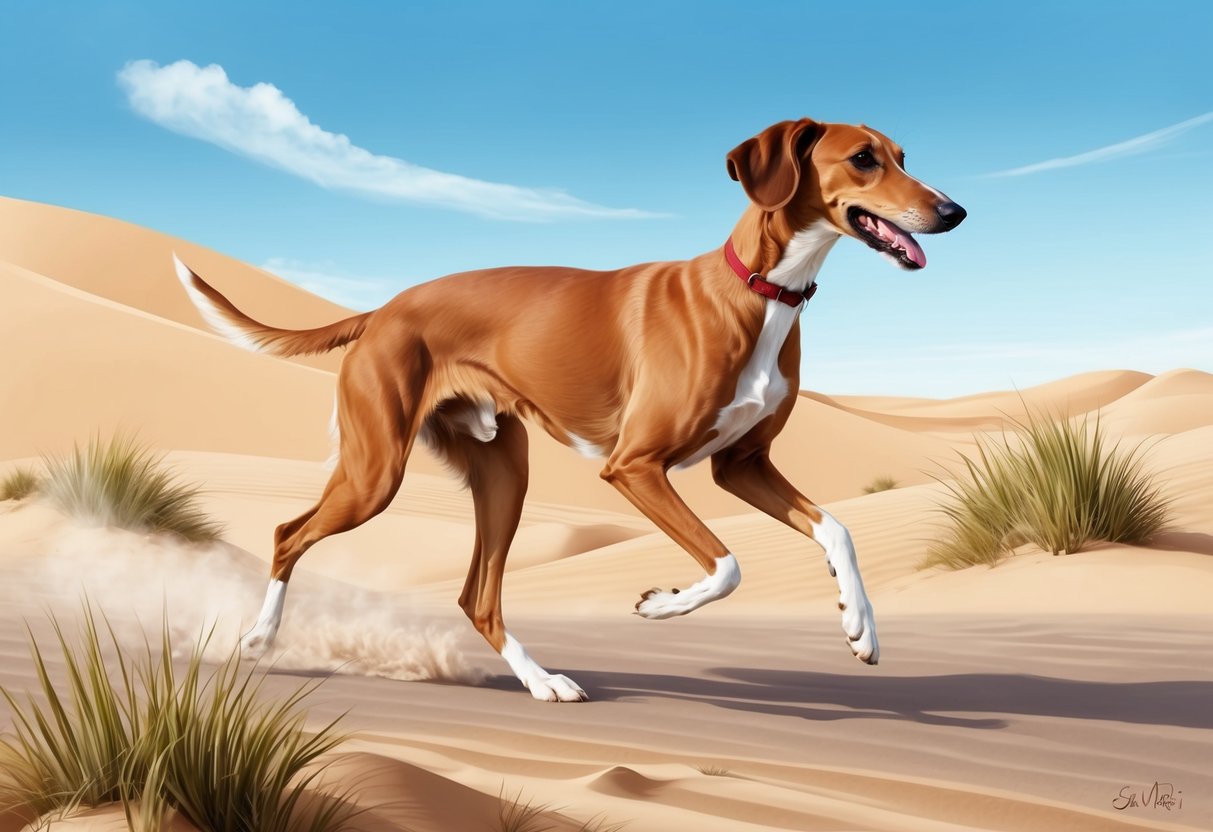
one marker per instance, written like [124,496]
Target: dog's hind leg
[379,402]
[496,471]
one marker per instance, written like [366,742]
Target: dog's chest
[760,385]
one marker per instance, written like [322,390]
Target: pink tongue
[913,250]
[902,241]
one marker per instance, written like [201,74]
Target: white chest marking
[761,386]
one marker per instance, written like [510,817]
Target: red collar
[762,286]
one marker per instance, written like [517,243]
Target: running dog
[650,367]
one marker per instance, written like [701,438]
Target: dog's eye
[864,160]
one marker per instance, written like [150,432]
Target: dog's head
[852,177]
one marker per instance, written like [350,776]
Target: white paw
[255,644]
[544,686]
[857,620]
[860,627]
[258,641]
[657,603]
[552,687]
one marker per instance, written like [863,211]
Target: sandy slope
[1021,697]
[132,266]
[1073,395]
[101,366]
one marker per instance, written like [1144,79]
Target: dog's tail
[223,317]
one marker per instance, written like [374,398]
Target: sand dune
[1173,383]
[132,266]
[1169,404]
[105,366]
[1074,395]
[1021,697]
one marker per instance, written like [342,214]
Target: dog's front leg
[749,474]
[643,481]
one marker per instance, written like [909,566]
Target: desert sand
[1026,696]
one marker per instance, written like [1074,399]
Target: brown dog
[650,367]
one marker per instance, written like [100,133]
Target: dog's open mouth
[887,238]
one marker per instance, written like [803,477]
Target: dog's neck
[803,257]
[785,257]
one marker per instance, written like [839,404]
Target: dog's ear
[768,165]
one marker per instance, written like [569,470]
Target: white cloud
[263,124]
[1130,147]
[327,281]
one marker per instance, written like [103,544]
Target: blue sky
[485,134]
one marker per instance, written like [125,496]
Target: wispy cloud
[1130,147]
[263,124]
[331,283]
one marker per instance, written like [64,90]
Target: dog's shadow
[1177,541]
[929,700]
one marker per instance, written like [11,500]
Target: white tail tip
[211,313]
[183,271]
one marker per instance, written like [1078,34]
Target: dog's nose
[951,215]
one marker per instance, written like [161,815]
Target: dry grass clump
[1054,483]
[598,823]
[122,483]
[513,815]
[19,484]
[136,730]
[880,484]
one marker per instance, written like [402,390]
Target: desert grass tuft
[144,802]
[598,823]
[19,484]
[136,730]
[880,484]
[713,771]
[1054,483]
[234,761]
[515,816]
[122,483]
[68,749]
